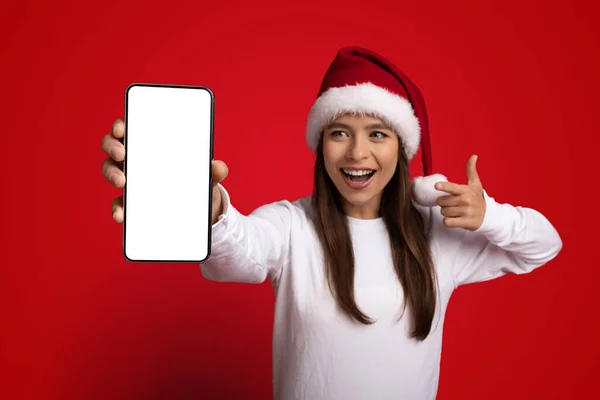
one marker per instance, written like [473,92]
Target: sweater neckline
[365,223]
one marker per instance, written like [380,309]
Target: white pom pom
[424,190]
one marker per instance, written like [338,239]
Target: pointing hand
[464,206]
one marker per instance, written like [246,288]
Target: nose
[358,148]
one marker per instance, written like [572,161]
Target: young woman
[364,268]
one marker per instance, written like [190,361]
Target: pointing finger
[450,187]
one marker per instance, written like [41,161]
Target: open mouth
[358,176]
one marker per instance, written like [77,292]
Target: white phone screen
[168,152]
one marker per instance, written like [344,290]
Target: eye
[379,135]
[338,134]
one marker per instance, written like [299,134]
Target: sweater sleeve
[511,240]
[248,248]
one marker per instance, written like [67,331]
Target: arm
[511,240]
[249,249]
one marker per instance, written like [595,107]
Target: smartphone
[167,198]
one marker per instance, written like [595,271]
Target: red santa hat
[361,81]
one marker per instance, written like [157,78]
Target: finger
[117,209]
[219,171]
[456,222]
[472,174]
[453,212]
[118,128]
[113,173]
[113,147]
[451,201]
[451,188]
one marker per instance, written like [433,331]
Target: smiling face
[360,155]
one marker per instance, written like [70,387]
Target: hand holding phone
[161,154]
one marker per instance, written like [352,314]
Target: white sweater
[318,353]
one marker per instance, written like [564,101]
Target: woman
[364,268]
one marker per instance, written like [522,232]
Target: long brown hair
[410,248]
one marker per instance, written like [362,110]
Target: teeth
[357,173]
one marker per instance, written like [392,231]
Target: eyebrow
[338,125]
[341,125]
[378,126]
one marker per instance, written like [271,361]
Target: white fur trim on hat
[365,98]
[424,191]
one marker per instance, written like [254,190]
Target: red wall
[514,82]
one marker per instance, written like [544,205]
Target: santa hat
[361,81]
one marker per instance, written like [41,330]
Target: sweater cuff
[494,221]
[226,221]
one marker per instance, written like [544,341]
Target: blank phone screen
[168,153]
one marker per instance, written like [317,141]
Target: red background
[514,81]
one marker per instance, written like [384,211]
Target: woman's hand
[464,206]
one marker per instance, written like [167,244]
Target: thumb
[472,174]
[219,172]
